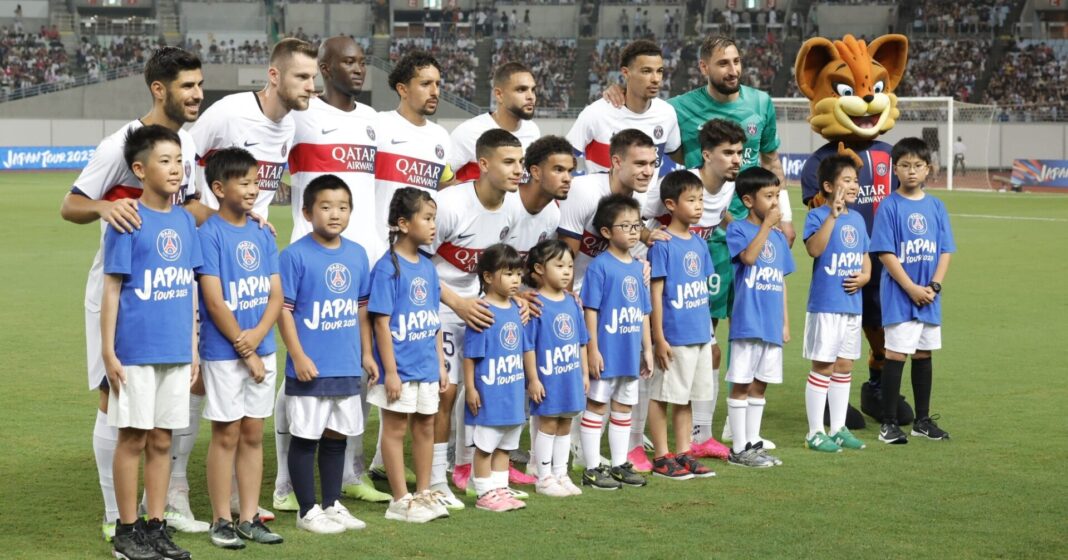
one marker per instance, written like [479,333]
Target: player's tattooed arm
[120,214]
[199,211]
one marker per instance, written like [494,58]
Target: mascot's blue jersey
[876,177]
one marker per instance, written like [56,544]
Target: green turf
[996,490]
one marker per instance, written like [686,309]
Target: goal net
[940,121]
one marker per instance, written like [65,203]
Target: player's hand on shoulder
[533,304]
[659,233]
[263,223]
[475,312]
[615,95]
[121,214]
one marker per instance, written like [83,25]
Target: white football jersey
[238,121]
[532,229]
[106,177]
[408,156]
[592,132]
[576,220]
[462,158]
[331,141]
[714,206]
[465,229]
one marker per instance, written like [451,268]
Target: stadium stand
[549,60]
[944,67]
[457,59]
[1032,82]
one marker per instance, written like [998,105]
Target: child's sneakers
[600,479]
[565,482]
[710,449]
[667,467]
[340,514]
[696,468]
[516,494]
[223,535]
[750,457]
[497,500]
[444,497]
[516,476]
[820,441]
[892,434]
[285,502]
[846,440]
[178,514]
[317,521]
[461,475]
[157,536]
[551,486]
[257,532]
[107,530]
[431,499]
[131,542]
[363,489]
[761,449]
[410,510]
[639,459]
[926,427]
[379,473]
[626,476]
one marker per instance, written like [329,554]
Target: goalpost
[938,120]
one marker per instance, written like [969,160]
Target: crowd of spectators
[605,65]
[950,18]
[457,59]
[1032,83]
[944,67]
[31,59]
[761,60]
[551,61]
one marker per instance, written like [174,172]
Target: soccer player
[548,165]
[107,190]
[148,361]
[514,91]
[336,135]
[260,121]
[642,64]
[412,151]
[914,242]
[472,216]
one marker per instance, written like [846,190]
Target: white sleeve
[573,213]
[674,137]
[445,221]
[784,205]
[206,133]
[459,154]
[579,135]
[105,170]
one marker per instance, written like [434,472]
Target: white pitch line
[1023,218]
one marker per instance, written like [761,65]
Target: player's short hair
[720,131]
[546,146]
[142,140]
[713,43]
[166,62]
[328,182]
[610,207]
[228,164]
[500,256]
[751,180]
[678,182]
[542,253]
[626,139]
[831,167]
[641,47]
[287,48]
[408,66]
[504,72]
[495,138]
[911,146]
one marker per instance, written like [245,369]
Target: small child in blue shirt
[836,239]
[681,328]
[913,240]
[327,332]
[148,337]
[759,321]
[495,380]
[617,308]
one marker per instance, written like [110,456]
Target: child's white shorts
[452,336]
[910,336]
[154,396]
[623,390]
[416,398]
[232,394]
[688,376]
[829,336]
[752,358]
[489,438]
[310,416]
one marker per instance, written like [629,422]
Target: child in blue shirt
[617,309]
[148,338]
[494,380]
[836,238]
[241,295]
[408,349]
[913,240]
[681,327]
[759,321]
[557,370]
[327,333]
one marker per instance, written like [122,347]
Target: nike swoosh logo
[394,141]
[325,131]
[465,236]
[247,143]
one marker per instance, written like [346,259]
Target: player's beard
[293,103]
[174,109]
[723,88]
[520,114]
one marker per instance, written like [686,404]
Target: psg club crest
[285,149]
[338,278]
[751,129]
[880,169]
[564,326]
[248,256]
[371,132]
[917,223]
[169,245]
[439,151]
[188,169]
[767,254]
[504,232]
[658,132]
[630,288]
[849,236]
[691,263]
[544,235]
[419,290]
[510,336]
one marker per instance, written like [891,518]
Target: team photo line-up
[473,283]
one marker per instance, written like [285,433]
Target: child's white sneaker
[340,515]
[550,486]
[316,521]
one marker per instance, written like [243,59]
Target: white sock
[499,478]
[376,461]
[619,434]
[532,426]
[736,416]
[838,398]
[638,415]
[105,439]
[703,411]
[282,483]
[348,474]
[590,434]
[182,443]
[465,454]
[753,416]
[544,445]
[439,463]
[815,401]
[561,453]
[483,485]
[576,437]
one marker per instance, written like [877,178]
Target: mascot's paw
[871,402]
[844,151]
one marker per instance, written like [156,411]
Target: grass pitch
[996,490]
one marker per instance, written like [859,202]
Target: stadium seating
[1032,81]
[457,59]
[549,59]
[944,67]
